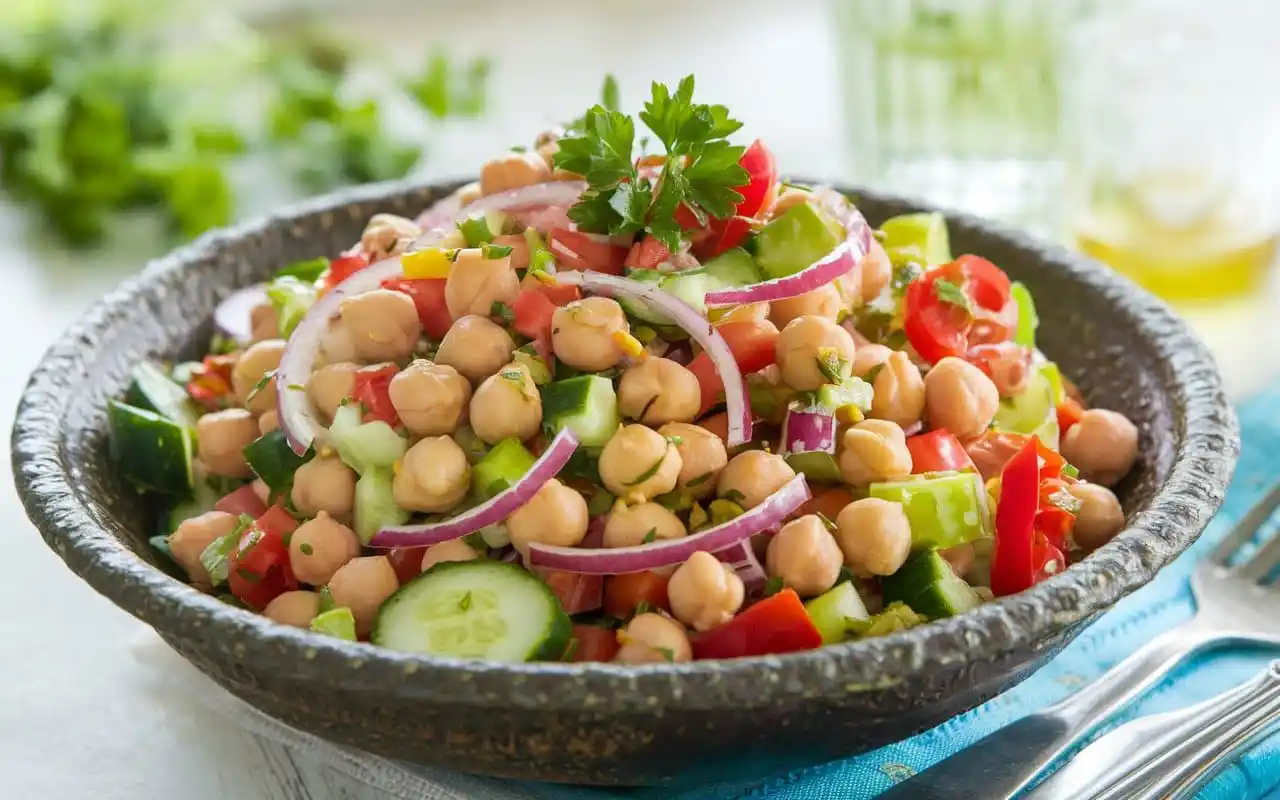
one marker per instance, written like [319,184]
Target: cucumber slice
[475,609]
[587,404]
[538,369]
[274,461]
[930,587]
[500,468]
[153,390]
[376,506]
[689,285]
[793,241]
[339,622]
[734,267]
[152,452]
[367,446]
[925,233]
[831,611]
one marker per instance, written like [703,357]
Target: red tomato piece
[647,253]
[577,250]
[241,501]
[407,562]
[937,328]
[576,592]
[533,312]
[723,234]
[344,267]
[777,624]
[258,569]
[762,168]
[754,347]
[594,643]
[428,298]
[373,391]
[717,424]
[1069,413]
[829,503]
[937,451]
[623,593]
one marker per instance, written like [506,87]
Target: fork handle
[1010,759]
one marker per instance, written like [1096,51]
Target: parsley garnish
[609,93]
[502,311]
[676,440]
[260,385]
[306,549]
[826,521]
[667,654]
[648,473]
[734,496]
[772,586]
[650,536]
[642,607]
[698,481]
[495,251]
[701,169]
[952,294]
[831,365]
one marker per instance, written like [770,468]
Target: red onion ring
[656,555]
[441,213]
[806,431]
[232,316]
[552,193]
[492,511]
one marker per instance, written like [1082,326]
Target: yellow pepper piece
[433,262]
[849,415]
[629,344]
[546,278]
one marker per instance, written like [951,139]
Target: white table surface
[78,717]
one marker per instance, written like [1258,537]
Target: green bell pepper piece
[944,509]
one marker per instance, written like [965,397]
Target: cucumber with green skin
[475,609]
[734,267]
[273,460]
[500,468]
[930,586]
[151,451]
[152,390]
[587,404]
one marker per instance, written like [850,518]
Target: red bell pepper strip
[1069,413]
[342,268]
[210,383]
[777,624]
[373,391]
[1012,567]
[937,451]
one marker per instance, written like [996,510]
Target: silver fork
[1232,607]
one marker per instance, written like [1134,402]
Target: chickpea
[807,342]
[583,333]
[874,536]
[475,346]
[788,199]
[653,639]
[628,526]
[750,477]
[704,593]
[702,457]
[337,344]
[638,464]
[388,235]
[468,194]
[194,535]
[363,585]
[268,422]
[1100,517]
[324,484]
[657,391]
[264,322]
[824,302]
[296,608]
[869,356]
[249,371]
[330,385]
[1103,445]
[960,397]
[455,550]
[872,451]
[222,437]
[877,269]
[431,399]
[556,515]
[849,288]
[507,406]
[475,283]
[319,548]
[384,325]
[434,476]
[805,556]
[511,171]
[899,391]
[960,557]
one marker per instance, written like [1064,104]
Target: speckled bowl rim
[1202,465]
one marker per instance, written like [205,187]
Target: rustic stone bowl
[598,723]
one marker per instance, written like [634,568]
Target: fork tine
[1262,561]
[1247,526]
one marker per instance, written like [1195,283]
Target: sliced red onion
[440,214]
[297,417]
[693,323]
[808,431]
[656,555]
[560,194]
[742,557]
[491,511]
[838,262]
[233,315]
[679,352]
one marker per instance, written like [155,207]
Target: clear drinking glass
[957,101]
[1172,144]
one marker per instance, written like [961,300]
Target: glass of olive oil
[1172,149]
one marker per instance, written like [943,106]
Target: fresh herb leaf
[260,385]
[502,311]
[903,275]
[609,93]
[831,365]
[492,252]
[465,603]
[773,586]
[952,294]
[735,496]
[667,654]
[826,521]
[642,607]
[676,440]
[326,600]
[693,483]
[648,473]
[306,549]
[650,536]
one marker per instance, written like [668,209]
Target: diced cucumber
[153,390]
[475,609]
[587,404]
[274,461]
[1032,412]
[793,241]
[339,622]
[538,369]
[734,267]
[152,452]
[291,298]
[364,446]
[376,506]
[483,228]
[690,285]
[472,445]
[203,500]
[944,510]
[831,611]
[500,468]
[929,586]
[924,233]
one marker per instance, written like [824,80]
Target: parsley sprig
[701,169]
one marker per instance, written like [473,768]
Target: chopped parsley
[698,481]
[650,536]
[952,294]
[667,654]
[831,365]
[826,521]
[492,252]
[465,603]
[648,473]
[502,311]
[609,93]
[676,440]
[306,549]
[773,586]
[642,607]
[260,385]
[735,496]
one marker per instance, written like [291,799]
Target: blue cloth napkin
[1162,604]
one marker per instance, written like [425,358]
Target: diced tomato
[938,328]
[754,347]
[533,312]
[578,250]
[776,624]
[1069,413]
[723,234]
[762,168]
[576,592]
[993,449]
[241,501]
[647,253]
[373,391]
[829,503]
[258,569]
[594,643]
[210,383]
[344,267]
[622,593]
[717,424]
[407,562]
[937,451]
[562,294]
[428,298]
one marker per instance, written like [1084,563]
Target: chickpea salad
[602,406]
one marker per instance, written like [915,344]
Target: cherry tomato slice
[579,251]
[344,267]
[373,391]
[623,593]
[241,501]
